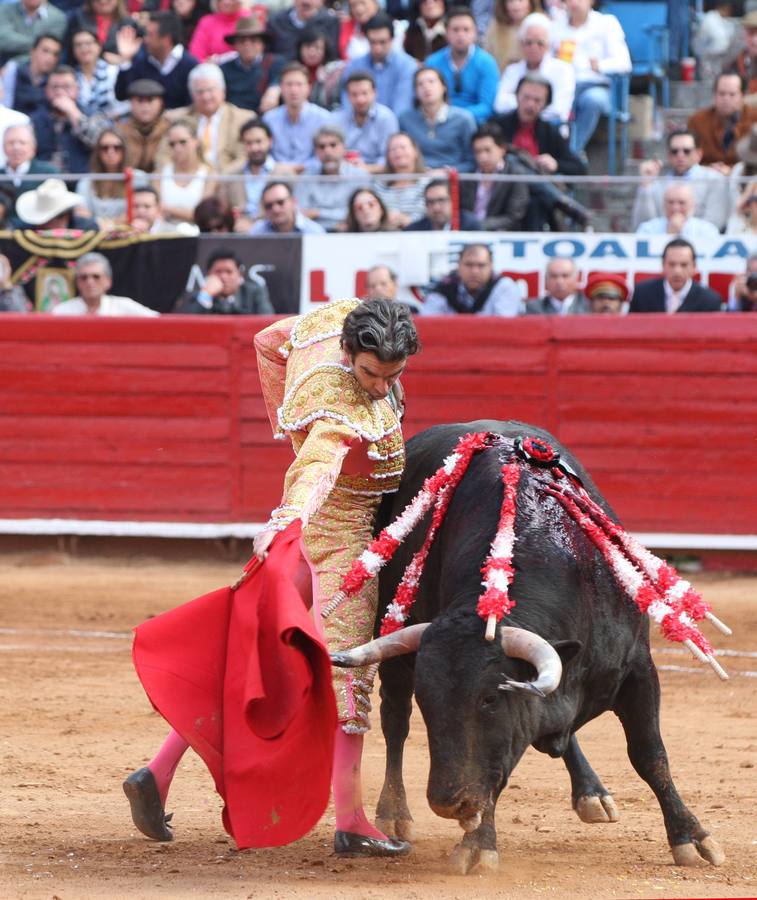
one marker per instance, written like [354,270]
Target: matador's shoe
[349,844]
[146,809]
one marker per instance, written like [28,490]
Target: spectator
[474,288]
[94,278]
[442,132]
[745,63]
[189,13]
[106,200]
[243,195]
[159,57]
[391,68]
[226,291]
[214,216]
[324,67]
[679,219]
[287,24]
[403,194]
[65,136]
[281,213]
[743,183]
[742,296]
[498,205]
[563,297]
[538,147]
[51,207]
[501,31]
[22,23]
[252,76]
[381,281]
[427,31]
[147,216]
[294,123]
[366,213]
[352,38]
[595,45]
[24,83]
[719,127]
[105,18]
[676,291]
[12,297]
[208,42]
[95,77]
[217,122]
[20,149]
[366,124]
[326,201]
[144,129]
[711,200]
[607,293]
[535,41]
[183,181]
[8,118]
[471,73]
[439,211]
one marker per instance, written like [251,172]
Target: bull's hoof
[488,862]
[597,810]
[403,829]
[698,852]
[472,860]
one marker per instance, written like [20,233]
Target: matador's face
[374,376]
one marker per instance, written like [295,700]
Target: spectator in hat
[20,148]
[744,64]
[563,296]
[678,218]
[94,278]
[473,288]
[145,127]
[160,57]
[22,23]
[287,24]
[252,76]
[607,293]
[676,291]
[226,291]
[24,83]
[719,127]
[208,42]
[52,206]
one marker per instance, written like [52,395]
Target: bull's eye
[489,702]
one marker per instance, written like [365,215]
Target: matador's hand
[262,542]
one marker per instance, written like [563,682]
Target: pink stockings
[164,763]
[347,786]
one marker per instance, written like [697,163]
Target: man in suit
[20,147]
[226,292]
[676,291]
[498,205]
[439,211]
[563,298]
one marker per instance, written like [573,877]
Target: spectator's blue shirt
[473,87]
[393,77]
[368,139]
[693,228]
[302,225]
[445,142]
[293,141]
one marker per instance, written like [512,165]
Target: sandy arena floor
[74,722]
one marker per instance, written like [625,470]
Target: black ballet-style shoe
[146,809]
[348,844]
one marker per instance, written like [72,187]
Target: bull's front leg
[477,852]
[397,682]
[592,802]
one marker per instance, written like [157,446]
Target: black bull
[566,594]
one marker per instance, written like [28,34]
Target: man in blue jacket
[471,73]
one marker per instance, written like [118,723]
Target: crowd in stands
[310,118]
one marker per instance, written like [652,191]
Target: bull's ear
[566,650]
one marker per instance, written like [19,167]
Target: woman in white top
[186,180]
[403,194]
[106,200]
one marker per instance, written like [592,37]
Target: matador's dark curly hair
[383,327]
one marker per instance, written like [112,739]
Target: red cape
[245,678]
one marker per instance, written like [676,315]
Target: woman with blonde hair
[403,194]
[106,200]
[186,179]
[501,37]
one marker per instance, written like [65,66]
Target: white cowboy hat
[49,200]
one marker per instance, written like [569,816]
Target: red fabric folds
[245,678]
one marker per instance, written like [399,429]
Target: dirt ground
[74,722]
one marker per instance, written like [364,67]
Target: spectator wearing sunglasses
[281,213]
[471,74]
[711,198]
[94,278]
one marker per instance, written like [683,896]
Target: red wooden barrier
[162,420]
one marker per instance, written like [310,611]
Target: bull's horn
[406,640]
[540,653]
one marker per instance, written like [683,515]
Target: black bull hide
[565,593]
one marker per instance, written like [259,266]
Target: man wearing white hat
[50,206]
[94,278]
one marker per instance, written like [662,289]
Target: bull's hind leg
[592,802]
[397,681]
[638,708]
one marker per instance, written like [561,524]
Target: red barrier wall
[163,420]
